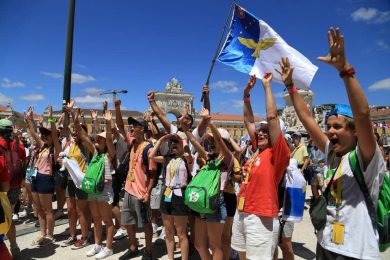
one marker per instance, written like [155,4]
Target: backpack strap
[357,173]
[145,158]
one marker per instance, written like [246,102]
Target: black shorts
[231,203]
[73,192]
[43,183]
[176,207]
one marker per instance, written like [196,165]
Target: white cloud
[76,78]
[38,87]
[380,85]
[7,83]
[370,15]
[382,45]
[237,103]
[93,91]
[80,79]
[52,74]
[226,86]
[90,99]
[33,97]
[4,98]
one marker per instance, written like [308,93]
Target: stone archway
[174,99]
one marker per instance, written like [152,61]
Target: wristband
[350,72]
[292,90]
[51,120]
[290,85]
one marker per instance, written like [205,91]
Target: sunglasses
[175,141]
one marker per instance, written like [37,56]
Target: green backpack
[93,181]
[380,220]
[202,193]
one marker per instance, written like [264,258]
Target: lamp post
[68,55]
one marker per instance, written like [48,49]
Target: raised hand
[184,120]
[266,80]
[117,102]
[70,104]
[105,105]
[336,55]
[50,110]
[148,116]
[30,112]
[251,84]
[40,120]
[150,96]
[205,113]
[108,115]
[286,71]
[94,114]
[75,114]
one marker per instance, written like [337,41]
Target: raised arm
[154,153]
[272,113]
[249,119]
[81,133]
[300,107]
[118,118]
[152,125]
[224,150]
[109,142]
[206,97]
[54,132]
[95,121]
[31,126]
[191,138]
[357,99]
[159,113]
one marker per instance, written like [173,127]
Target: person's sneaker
[129,254]
[95,249]
[58,214]
[37,224]
[46,241]
[105,252]
[162,234]
[15,252]
[121,233]
[15,216]
[70,241]
[155,227]
[146,256]
[81,243]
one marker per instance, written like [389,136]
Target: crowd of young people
[149,156]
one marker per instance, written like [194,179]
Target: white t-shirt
[121,149]
[360,238]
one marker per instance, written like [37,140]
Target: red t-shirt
[15,182]
[261,191]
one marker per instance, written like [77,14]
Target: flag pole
[68,55]
[218,47]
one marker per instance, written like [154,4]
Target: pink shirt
[139,186]
[44,162]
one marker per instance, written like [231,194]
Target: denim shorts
[219,215]
[107,195]
[43,183]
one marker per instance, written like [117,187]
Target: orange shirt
[261,191]
[138,186]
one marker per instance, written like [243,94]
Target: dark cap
[44,131]
[137,121]
[296,134]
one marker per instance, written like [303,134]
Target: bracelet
[292,90]
[290,85]
[51,120]
[350,72]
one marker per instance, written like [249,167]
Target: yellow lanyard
[249,168]
[176,163]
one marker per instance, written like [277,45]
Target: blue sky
[140,45]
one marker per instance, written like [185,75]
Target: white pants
[254,235]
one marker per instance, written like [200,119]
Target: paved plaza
[304,242]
